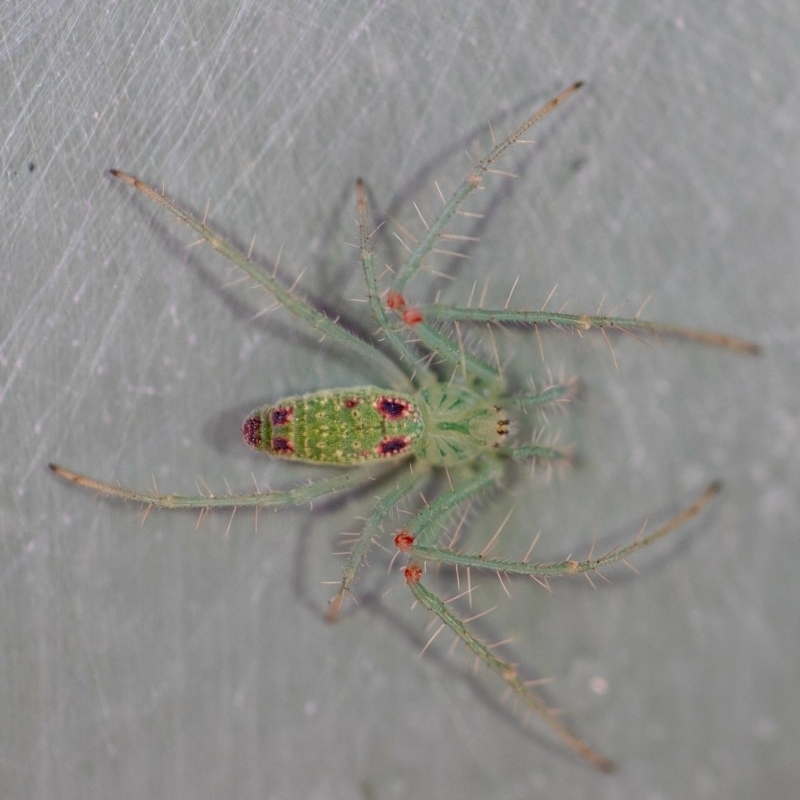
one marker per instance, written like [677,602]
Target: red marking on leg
[393,445]
[412,316]
[282,446]
[395,300]
[281,416]
[413,573]
[251,431]
[392,407]
[404,541]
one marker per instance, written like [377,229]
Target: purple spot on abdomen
[251,431]
[392,407]
[281,416]
[282,446]
[392,445]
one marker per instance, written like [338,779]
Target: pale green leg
[298,495]
[416,540]
[406,353]
[552,394]
[469,184]
[424,551]
[509,674]
[527,452]
[386,504]
[471,368]
[476,369]
[583,322]
[426,526]
[330,329]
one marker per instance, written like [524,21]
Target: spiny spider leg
[506,671]
[331,329]
[581,322]
[427,552]
[286,497]
[472,182]
[386,504]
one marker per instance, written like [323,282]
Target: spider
[446,411]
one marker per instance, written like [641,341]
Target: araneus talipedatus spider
[447,411]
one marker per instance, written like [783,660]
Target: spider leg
[507,672]
[555,393]
[424,552]
[416,539]
[582,322]
[386,504]
[471,367]
[471,182]
[527,452]
[329,328]
[405,353]
[287,497]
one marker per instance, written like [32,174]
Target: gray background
[160,660]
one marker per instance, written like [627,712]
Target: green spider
[447,412]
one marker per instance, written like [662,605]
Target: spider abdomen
[337,426]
